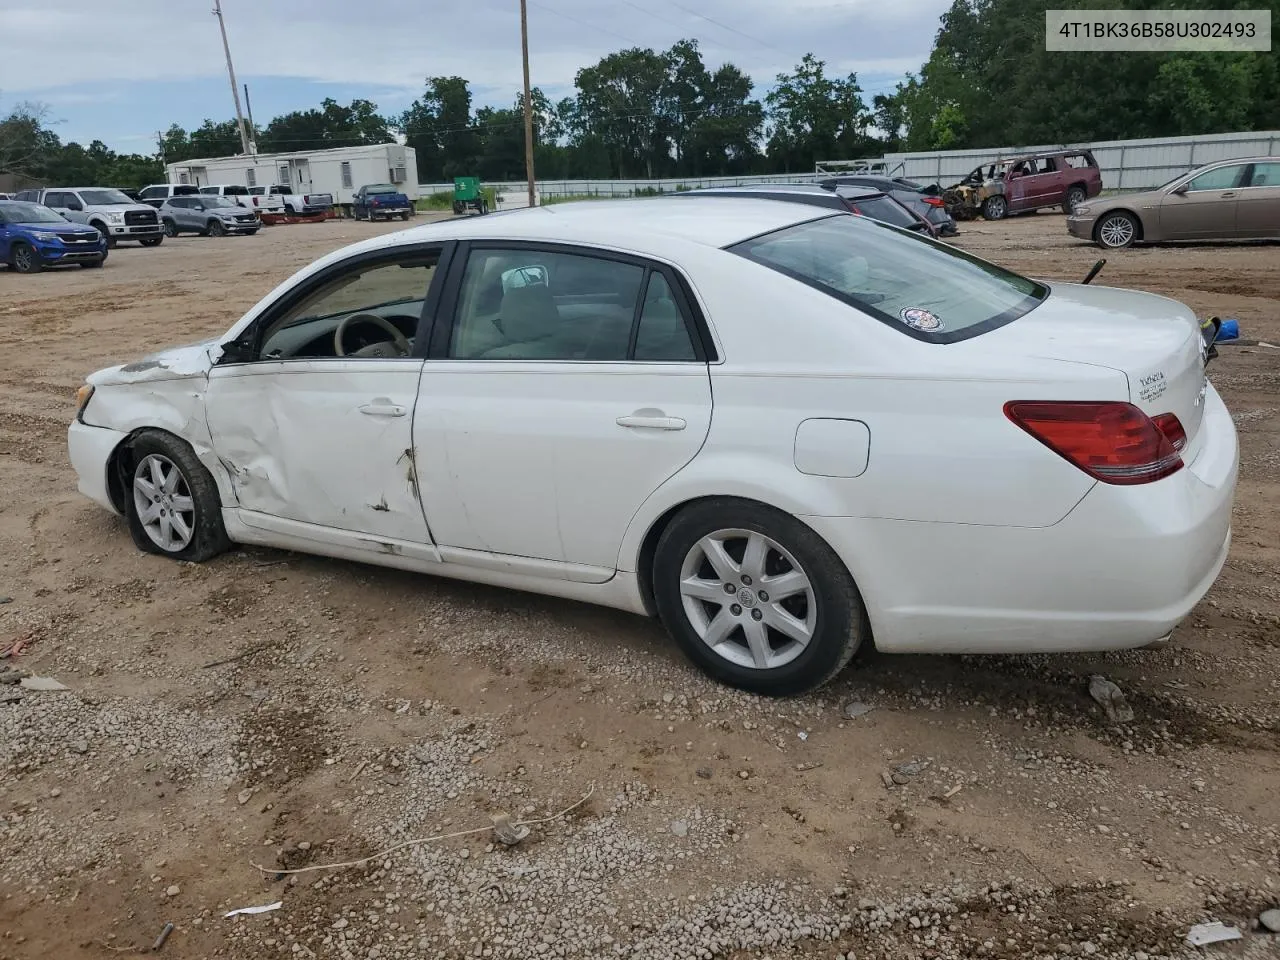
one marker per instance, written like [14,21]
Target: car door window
[1265,175]
[372,298]
[662,334]
[56,199]
[1223,178]
[531,305]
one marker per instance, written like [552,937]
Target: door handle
[382,407]
[1229,193]
[637,421]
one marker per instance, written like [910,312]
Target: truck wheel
[405,215]
[152,241]
[24,258]
[106,234]
[995,208]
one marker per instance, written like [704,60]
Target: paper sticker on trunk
[917,318]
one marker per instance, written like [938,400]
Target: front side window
[54,199]
[927,290]
[519,304]
[370,311]
[1223,178]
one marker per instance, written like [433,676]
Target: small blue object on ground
[1230,330]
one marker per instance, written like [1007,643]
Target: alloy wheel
[163,501]
[748,599]
[1116,231]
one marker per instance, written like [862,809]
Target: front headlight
[115,218]
[83,395]
[1080,210]
[42,235]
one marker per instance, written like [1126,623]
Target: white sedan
[783,431]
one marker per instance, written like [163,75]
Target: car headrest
[529,313]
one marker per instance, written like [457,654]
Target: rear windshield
[886,210]
[380,188]
[928,290]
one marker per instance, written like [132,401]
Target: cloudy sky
[119,70]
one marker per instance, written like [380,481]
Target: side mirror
[200,206]
[531,276]
[1181,189]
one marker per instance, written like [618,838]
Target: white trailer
[340,171]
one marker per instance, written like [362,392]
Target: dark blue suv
[33,237]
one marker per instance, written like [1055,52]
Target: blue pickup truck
[378,200]
[33,237]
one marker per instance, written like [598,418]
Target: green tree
[333,125]
[438,126]
[815,117]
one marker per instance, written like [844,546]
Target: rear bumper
[1120,571]
[90,449]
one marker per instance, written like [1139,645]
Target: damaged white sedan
[783,431]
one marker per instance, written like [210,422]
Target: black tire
[405,215]
[24,258]
[106,234]
[152,241]
[458,208]
[250,233]
[1116,230]
[839,621]
[94,263]
[215,229]
[208,536]
[170,228]
[1075,196]
[995,208]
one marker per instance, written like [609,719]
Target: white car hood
[175,363]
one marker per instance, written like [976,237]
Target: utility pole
[253,129]
[231,72]
[528,101]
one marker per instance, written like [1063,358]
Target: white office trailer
[340,171]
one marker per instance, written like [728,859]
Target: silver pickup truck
[299,204]
[112,213]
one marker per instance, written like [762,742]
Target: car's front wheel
[152,241]
[755,597]
[215,229]
[24,258]
[170,229]
[1116,231]
[995,208]
[172,501]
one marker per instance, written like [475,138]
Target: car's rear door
[564,386]
[1258,210]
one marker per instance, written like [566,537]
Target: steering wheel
[398,341]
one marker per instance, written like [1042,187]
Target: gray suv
[106,209]
[207,216]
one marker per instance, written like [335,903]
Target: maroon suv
[1057,178]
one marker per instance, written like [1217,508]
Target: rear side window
[885,210]
[1079,161]
[1266,175]
[927,290]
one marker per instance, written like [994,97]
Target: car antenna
[1094,271]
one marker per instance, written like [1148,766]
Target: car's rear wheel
[1075,197]
[755,597]
[170,228]
[172,501]
[405,215]
[24,258]
[1116,231]
[995,208]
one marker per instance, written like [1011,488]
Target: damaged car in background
[782,429]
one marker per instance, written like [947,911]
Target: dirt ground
[287,711]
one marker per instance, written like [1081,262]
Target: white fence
[1125,165]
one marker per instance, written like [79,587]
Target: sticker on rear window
[917,318]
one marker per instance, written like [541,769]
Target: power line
[725,26]
[584,23]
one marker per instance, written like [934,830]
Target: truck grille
[137,217]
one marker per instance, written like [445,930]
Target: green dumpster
[467,195]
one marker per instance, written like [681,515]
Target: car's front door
[318,439]
[66,203]
[1258,210]
[1206,209]
[564,386]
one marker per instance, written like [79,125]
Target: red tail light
[934,201]
[1112,442]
